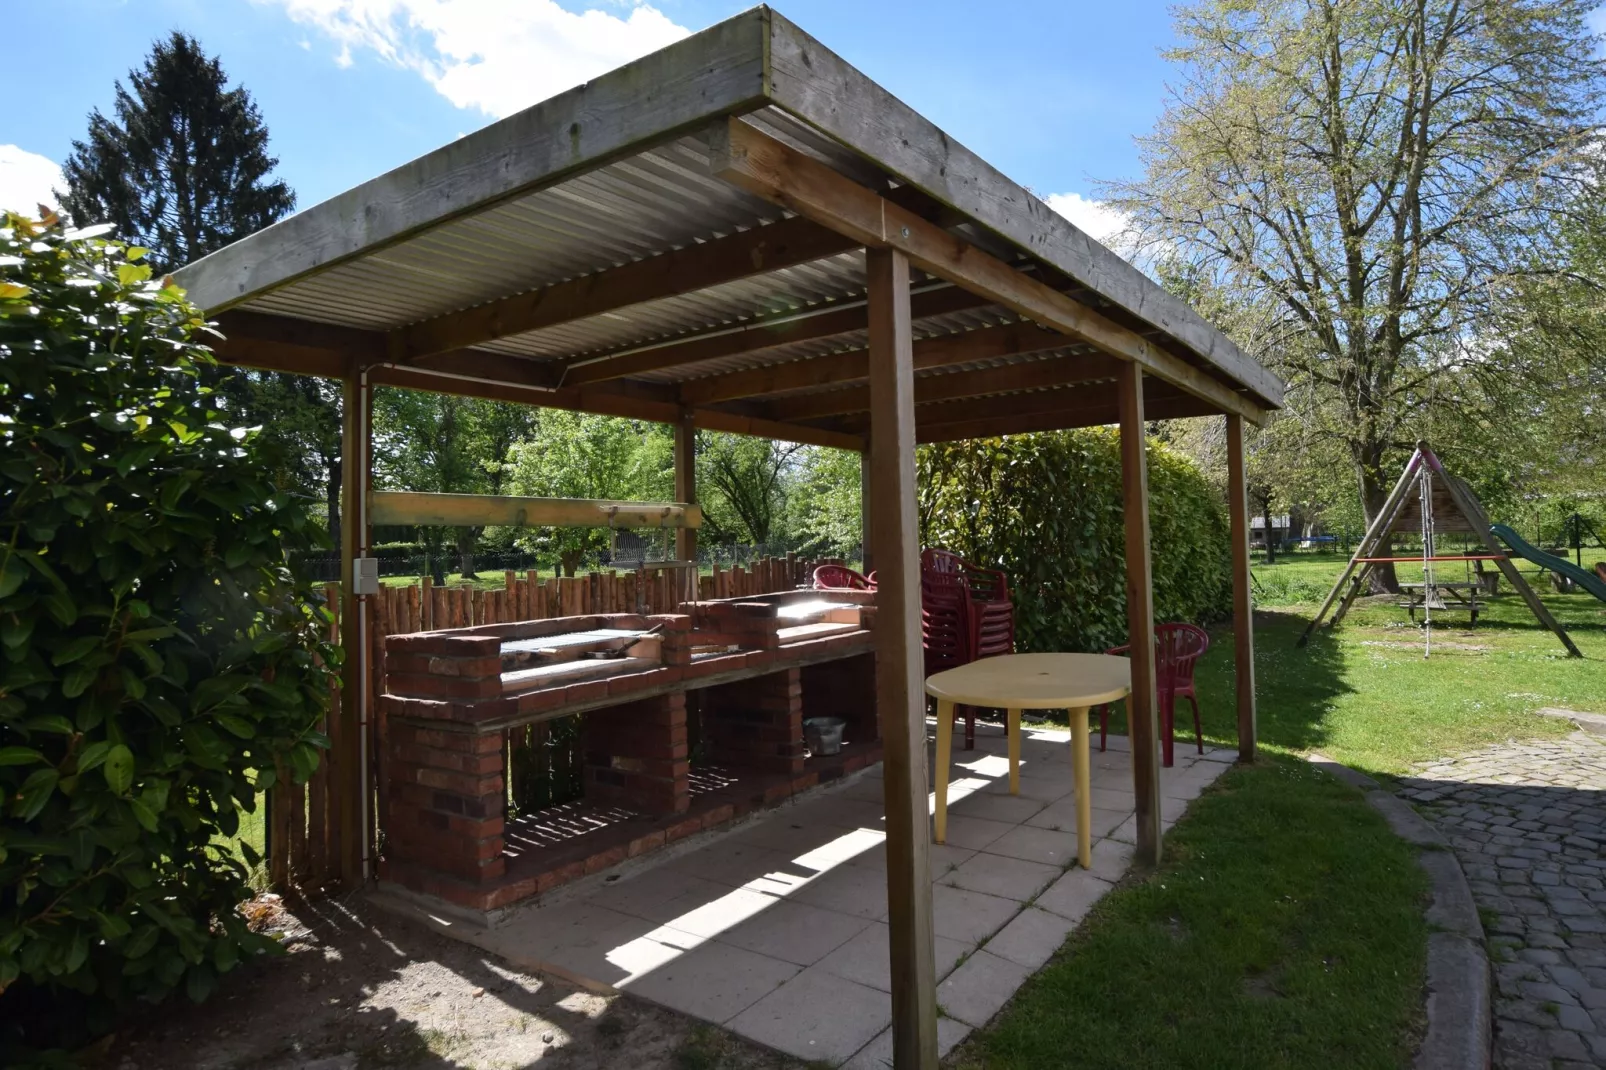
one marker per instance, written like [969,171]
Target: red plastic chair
[1177,649]
[965,614]
[841,578]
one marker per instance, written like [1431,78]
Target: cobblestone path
[1528,823]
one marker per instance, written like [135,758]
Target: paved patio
[776,929]
[1526,821]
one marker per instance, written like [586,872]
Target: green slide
[1587,580]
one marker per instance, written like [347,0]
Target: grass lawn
[1284,927]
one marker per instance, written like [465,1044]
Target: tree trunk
[1375,487]
[570,560]
[1265,515]
[465,549]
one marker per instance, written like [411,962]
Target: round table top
[1035,681]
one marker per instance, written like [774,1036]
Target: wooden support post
[1243,607]
[686,482]
[347,765]
[866,548]
[1142,720]
[900,689]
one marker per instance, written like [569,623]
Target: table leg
[1012,729]
[945,749]
[1081,767]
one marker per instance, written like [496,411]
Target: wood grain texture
[763,166]
[719,71]
[390,507]
[1243,604]
[813,83]
[686,482]
[1142,713]
[900,695]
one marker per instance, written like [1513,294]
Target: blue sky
[1050,92]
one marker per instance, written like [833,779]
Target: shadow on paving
[361,988]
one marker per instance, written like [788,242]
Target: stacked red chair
[842,578]
[965,614]
[1177,649]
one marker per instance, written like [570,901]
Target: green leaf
[19,756]
[35,793]
[119,769]
[143,814]
[12,573]
[77,649]
[238,725]
[78,679]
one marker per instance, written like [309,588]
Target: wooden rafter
[761,165]
[696,267]
[962,347]
[952,386]
[831,320]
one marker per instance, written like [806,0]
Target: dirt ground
[360,989]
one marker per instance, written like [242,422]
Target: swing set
[1429,500]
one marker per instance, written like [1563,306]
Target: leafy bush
[1046,509]
[161,663]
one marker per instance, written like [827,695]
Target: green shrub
[161,663]
[1046,510]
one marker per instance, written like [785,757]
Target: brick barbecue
[742,674]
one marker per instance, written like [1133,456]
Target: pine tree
[183,169]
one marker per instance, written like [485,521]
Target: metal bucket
[824,734]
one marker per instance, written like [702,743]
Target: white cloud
[26,180]
[494,55]
[1094,218]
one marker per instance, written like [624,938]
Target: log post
[865,548]
[348,751]
[686,482]
[1243,607]
[1142,722]
[900,689]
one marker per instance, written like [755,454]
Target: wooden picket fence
[543,761]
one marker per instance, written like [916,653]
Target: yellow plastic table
[1016,682]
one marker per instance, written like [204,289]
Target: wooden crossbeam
[283,344]
[695,267]
[952,386]
[962,347]
[768,332]
[476,510]
[1033,415]
[753,161]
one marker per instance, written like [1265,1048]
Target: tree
[184,169]
[580,455]
[1376,172]
[446,444]
[744,483]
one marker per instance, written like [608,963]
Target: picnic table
[1417,597]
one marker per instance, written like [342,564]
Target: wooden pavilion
[743,233]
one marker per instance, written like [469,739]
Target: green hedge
[160,665]
[1046,509]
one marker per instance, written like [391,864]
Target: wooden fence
[304,838]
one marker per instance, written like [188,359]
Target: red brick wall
[844,688]
[757,723]
[446,801]
[636,755]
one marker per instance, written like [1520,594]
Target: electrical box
[365,576]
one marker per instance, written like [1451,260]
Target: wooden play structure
[1429,501]
[741,233]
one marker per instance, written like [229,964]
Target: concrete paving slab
[1005,877]
[715,982]
[1010,809]
[795,932]
[866,958]
[1049,846]
[857,890]
[877,1055]
[969,917]
[974,832]
[981,985]
[1031,937]
[1073,895]
[817,1015]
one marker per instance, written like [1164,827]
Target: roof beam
[283,344]
[953,386]
[763,166]
[1069,416]
[681,271]
[937,351]
[785,328]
